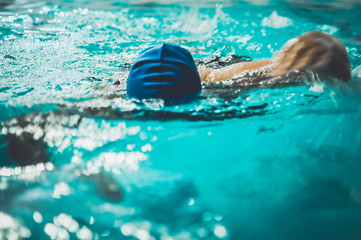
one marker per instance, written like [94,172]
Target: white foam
[276,21]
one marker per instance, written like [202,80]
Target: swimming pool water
[238,163]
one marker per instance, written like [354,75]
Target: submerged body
[168,72]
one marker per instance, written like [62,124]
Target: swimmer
[168,71]
[313,51]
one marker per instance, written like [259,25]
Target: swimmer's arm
[216,75]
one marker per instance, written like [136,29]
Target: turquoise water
[239,163]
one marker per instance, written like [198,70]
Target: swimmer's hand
[107,187]
[314,51]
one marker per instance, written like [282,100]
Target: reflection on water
[13,5]
[339,4]
[16,5]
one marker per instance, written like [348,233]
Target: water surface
[238,163]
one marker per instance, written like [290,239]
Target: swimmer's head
[316,51]
[164,71]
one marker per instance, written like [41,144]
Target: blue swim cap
[164,71]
